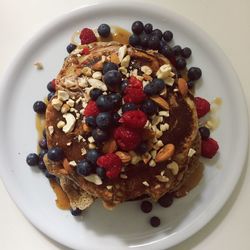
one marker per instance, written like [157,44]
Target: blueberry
[104,103]
[39,107]
[43,143]
[149,107]
[154,42]
[137,27]
[194,73]
[112,78]
[109,66]
[42,153]
[99,135]
[103,120]
[49,175]
[177,50]
[71,47]
[115,118]
[151,89]
[134,40]
[158,33]
[159,83]
[162,43]
[144,38]
[180,63]
[124,85]
[103,30]
[44,133]
[76,212]
[142,148]
[90,121]
[190,84]
[50,87]
[146,206]
[84,168]
[167,51]
[32,159]
[186,52]
[129,106]
[55,154]
[92,155]
[95,93]
[148,28]
[41,165]
[50,95]
[168,36]
[116,99]
[166,200]
[204,132]
[101,172]
[155,221]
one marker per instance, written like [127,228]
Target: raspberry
[85,51]
[111,163]
[134,119]
[209,148]
[91,109]
[134,95]
[135,83]
[202,106]
[87,36]
[127,138]
[53,82]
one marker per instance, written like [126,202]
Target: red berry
[53,82]
[112,164]
[85,51]
[134,95]
[91,109]
[202,106]
[134,119]
[209,148]
[135,83]
[127,138]
[87,36]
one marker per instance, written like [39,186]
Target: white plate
[125,227]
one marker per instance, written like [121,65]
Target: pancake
[141,176]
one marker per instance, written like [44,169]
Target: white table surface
[228,23]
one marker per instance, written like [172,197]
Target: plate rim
[212,210]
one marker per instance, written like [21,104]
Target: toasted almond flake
[123,176]
[91,139]
[164,113]
[123,70]
[62,95]
[72,163]
[92,146]
[70,123]
[191,152]
[56,103]
[147,70]
[109,187]
[82,82]
[125,61]
[95,83]
[174,167]
[83,151]
[162,178]
[145,183]
[97,75]
[122,52]
[94,178]
[157,186]
[68,143]
[51,130]
[38,65]
[60,124]
[164,127]
[87,71]
[152,163]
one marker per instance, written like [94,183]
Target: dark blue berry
[149,107]
[186,52]
[134,40]
[51,87]
[95,93]
[55,154]
[104,103]
[144,38]
[177,50]
[41,165]
[39,107]
[99,135]
[113,78]
[159,83]
[92,155]
[155,87]
[101,172]
[168,36]
[137,27]
[148,28]
[103,30]
[32,159]
[129,106]
[103,120]
[90,121]
[157,32]
[50,95]
[84,168]
[109,66]
[43,143]
[71,47]
[116,99]
[154,42]
[49,175]
[166,200]
[146,206]
[142,148]
[155,221]
[180,63]
[124,85]
[76,212]
[115,118]
[42,153]
[190,84]
[194,73]
[204,132]
[167,51]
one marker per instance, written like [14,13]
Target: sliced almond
[94,178]
[125,61]
[160,101]
[124,156]
[114,58]
[165,153]
[174,167]
[122,52]
[95,83]
[182,86]
[162,178]
[109,146]
[87,71]
[97,75]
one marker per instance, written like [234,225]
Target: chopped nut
[174,167]
[68,143]
[71,102]
[122,52]
[145,183]
[162,172]
[82,82]
[56,103]
[164,127]
[65,108]
[95,83]
[87,71]
[157,186]
[147,70]
[160,101]
[109,187]
[124,156]
[38,65]
[91,139]
[191,152]
[123,70]
[146,157]
[165,74]
[94,178]
[162,178]
[152,163]
[157,120]
[158,145]
[70,123]
[97,75]
[123,176]
[72,163]
[77,101]
[164,113]
[125,61]
[60,124]
[79,138]
[83,151]
[62,95]
[153,153]
[165,153]
[92,146]
[135,159]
